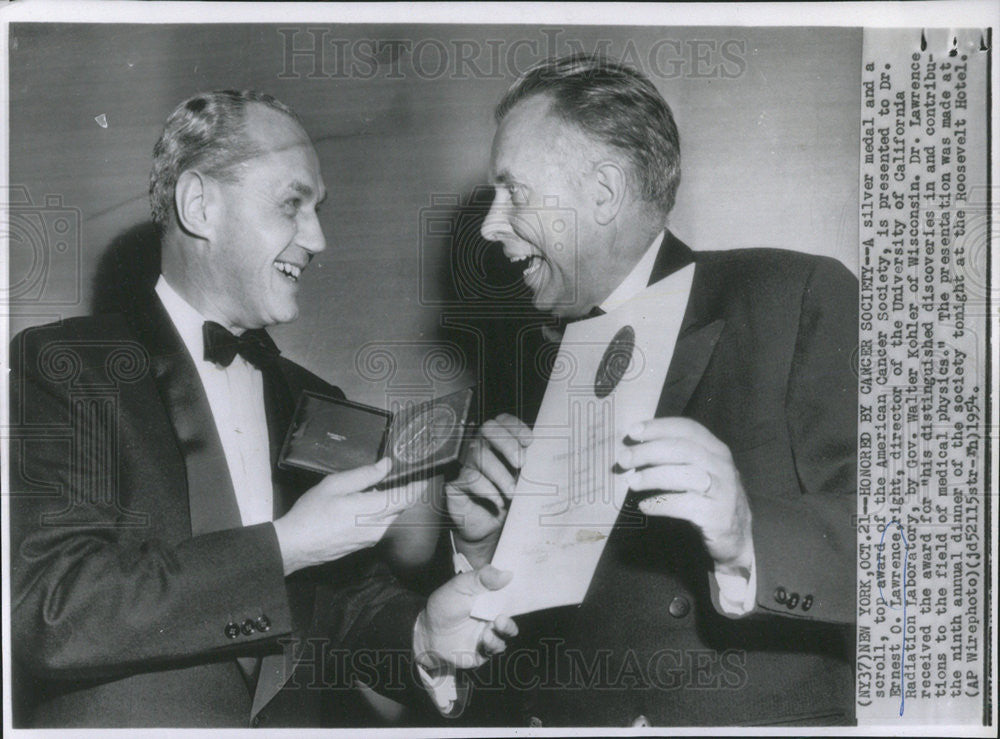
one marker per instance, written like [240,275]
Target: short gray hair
[206,132]
[616,106]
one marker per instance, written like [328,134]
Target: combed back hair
[206,132]
[616,106]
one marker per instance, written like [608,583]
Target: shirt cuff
[441,685]
[735,593]
[459,561]
[439,679]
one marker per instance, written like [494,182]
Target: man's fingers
[685,506]
[473,487]
[668,451]
[683,428]
[518,428]
[490,643]
[505,626]
[397,500]
[493,579]
[360,478]
[490,465]
[676,477]
[504,440]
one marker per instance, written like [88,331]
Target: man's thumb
[493,579]
[360,478]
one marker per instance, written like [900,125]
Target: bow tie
[221,346]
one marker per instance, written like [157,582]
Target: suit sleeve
[99,592]
[805,547]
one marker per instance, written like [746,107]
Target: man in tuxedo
[164,570]
[725,593]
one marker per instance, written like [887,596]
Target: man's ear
[612,185]
[194,196]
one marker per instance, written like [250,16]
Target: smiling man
[560,202]
[165,571]
[725,593]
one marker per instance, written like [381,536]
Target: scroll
[607,376]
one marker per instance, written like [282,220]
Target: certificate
[607,376]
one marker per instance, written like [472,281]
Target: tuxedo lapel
[700,327]
[278,405]
[280,391]
[211,498]
[691,355]
[212,501]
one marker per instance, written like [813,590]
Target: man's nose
[496,224]
[311,237]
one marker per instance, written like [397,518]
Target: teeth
[289,270]
[529,262]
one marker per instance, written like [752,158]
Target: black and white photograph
[499,369]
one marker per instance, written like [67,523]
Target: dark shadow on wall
[484,307]
[128,268]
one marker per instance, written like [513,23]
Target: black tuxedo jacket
[135,592]
[764,360]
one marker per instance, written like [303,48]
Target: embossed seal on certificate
[615,362]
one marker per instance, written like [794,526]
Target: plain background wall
[768,118]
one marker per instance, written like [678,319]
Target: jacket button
[247,627]
[780,596]
[807,603]
[793,600]
[263,623]
[534,722]
[679,607]
[232,630]
[641,720]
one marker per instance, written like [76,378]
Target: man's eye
[291,206]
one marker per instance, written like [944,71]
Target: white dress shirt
[236,398]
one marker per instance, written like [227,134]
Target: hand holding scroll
[693,478]
[479,497]
[446,634]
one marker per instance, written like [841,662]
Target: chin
[286,315]
[555,306]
